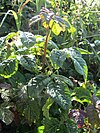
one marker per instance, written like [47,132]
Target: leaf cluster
[49,74]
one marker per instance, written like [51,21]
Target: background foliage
[49,66]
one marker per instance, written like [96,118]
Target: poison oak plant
[32,84]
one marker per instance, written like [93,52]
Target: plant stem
[60,7]
[45,45]
[23,5]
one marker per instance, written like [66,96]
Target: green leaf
[32,111]
[41,129]
[58,57]
[11,35]
[2,40]
[98,93]
[83,51]
[5,114]
[36,85]
[56,27]
[53,3]
[82,94]
[27,39]
[15,17]
[51,125]
[63,79]
[77,100]
[69,127]
[71,52]
[28,62]
[72,30]
[56,91]
[39,38]
[16,79]
[52,45]
[39,4]
[8,68]
[80,66]
[61,21]
[47,106]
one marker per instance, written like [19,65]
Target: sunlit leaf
[52,45]
[41,129]
[98,93]
[62,21]
[28,62]
[58,57]
[51,23]
[82,94]
[81,66]
[72,30]
[27,39]
[11,35]
[5,114]
[53,3]
[56,28]
[83,51]
[36,85]
[63,79]
[8,68]
[47,106]
[77,99]
[15,17]
[2,39]
[45,25]
[56,91]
